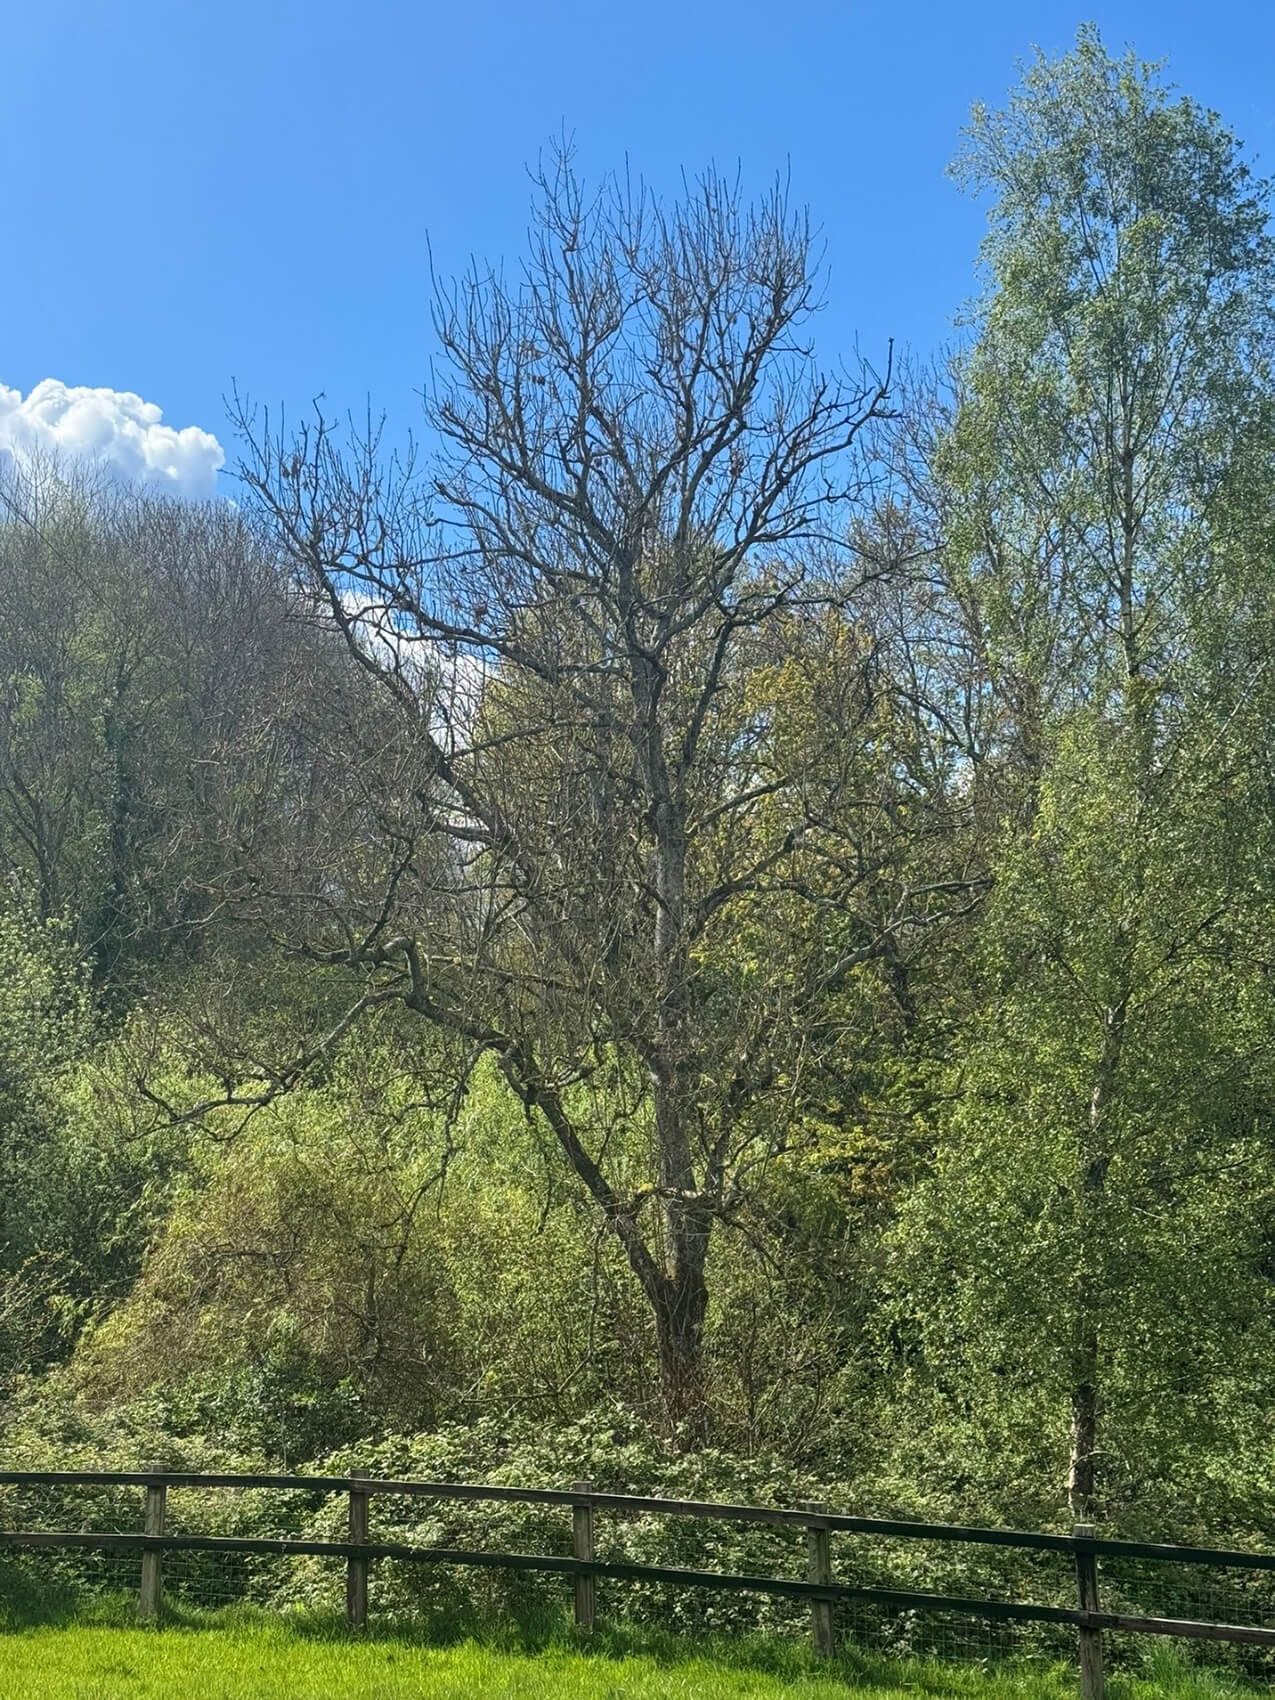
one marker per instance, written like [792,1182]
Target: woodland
[714,925]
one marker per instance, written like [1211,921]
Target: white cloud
[111,428]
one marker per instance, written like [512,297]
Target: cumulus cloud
[113,429]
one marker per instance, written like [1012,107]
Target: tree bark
[679,1327]
[1082,1476]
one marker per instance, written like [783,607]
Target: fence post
[152,1562]
[1091,1684]
[582,1547]
[819,1548]
[356,1568]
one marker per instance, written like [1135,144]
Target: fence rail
[584,1567]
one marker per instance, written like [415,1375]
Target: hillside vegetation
[714,932]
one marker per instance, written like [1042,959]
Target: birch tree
[1105,474]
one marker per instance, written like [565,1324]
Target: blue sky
[195,195]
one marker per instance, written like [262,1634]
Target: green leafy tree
[1103,481]
[135,637]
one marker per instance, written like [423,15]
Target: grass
[243,1656]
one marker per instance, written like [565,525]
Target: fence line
[820,1588]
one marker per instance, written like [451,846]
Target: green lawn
[262,1661]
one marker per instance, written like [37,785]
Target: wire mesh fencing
[999,1575]
[54,1582]
[212,1579]
[411,1552]
[1212,1593]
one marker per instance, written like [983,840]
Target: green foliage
[1087,914]
[1081,1276]
[973,1015]
[45,1025]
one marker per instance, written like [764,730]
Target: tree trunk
[679,1332]
[1082,1479]
[1095,1154]
[1082,1476]
[674,1284]
[682,1302]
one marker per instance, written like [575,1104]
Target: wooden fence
[584,1567]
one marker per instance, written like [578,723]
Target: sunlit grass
[254,1657]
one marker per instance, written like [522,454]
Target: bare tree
[578,831]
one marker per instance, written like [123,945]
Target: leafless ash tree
[574,831]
